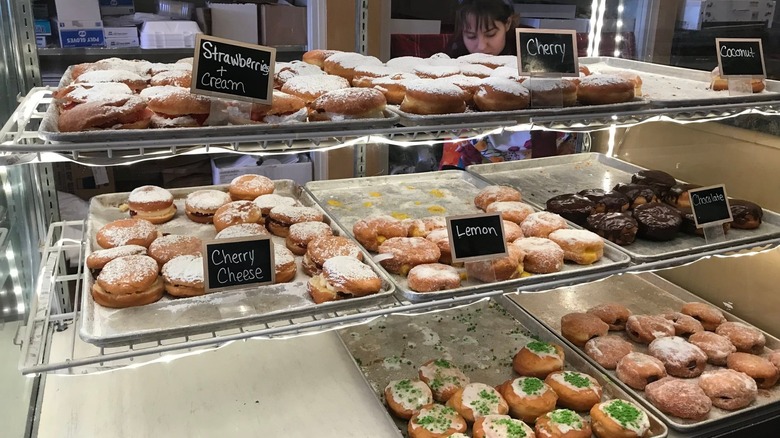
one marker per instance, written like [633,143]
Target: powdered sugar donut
[431,277]
[542,256]
[501,94]
[542,223]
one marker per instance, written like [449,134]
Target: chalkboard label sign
[740,57]
[240,262]
[547,52]
[476,237]
[233,70]
[710,206]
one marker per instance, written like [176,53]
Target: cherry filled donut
[501,94]
[716,347]
[373,231]
[576,391]
[604,89]
[431,277]
[728,389]
[614,314]
[128,281]
[619,419]
[408,252]
[608,350]
[166,248]
[579,328]
[684,325]
[249,187]
[491,194]
[236,212]
[542,256]
[680,358]
[513,211]
[709,316]
[582,247]
[538,359]
[547,93]
[637,370]
[646,328]
[201,205]
[528,397]
[151,203]
[573,207]
[542,223]
[126,232]
[678,397]
[761,370]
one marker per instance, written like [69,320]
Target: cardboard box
[239,22]
[84,181]
[580,25]
[222,171]
[77,10]
[545,11]
[122,42]
[282,25]
[78,33]
[120,32]
[267,24]
[116,7]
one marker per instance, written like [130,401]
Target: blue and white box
[81,34]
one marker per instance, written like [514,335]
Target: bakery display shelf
[544,178]
[105,52]
[644,294]
[481,339]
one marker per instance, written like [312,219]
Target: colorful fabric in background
[509,146]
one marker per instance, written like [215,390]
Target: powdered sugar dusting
[339,268]
[97,76]
[436,71]
[282,256]
[207,199]
[129,269]
[99,91]
[272,200]
[184,269]
[237,209]
[571,237]
[675,350]
[597,80]
[351,60]
[119,251]
[306,231]
[133,229]
[436,272]
[296,213]
[434,86]
[314,85]
[145,194]
[504,85]
[253,182]
[242,230]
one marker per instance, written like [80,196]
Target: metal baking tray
[541,179]
[642,294]
[49,126]
[665,86]
[170,317]
[480,338]
[518,116]
[444,193]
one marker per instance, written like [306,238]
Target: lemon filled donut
[498,269]
[431,277]
[407,252]
[542,256]
[375,230]
[491,194]
[579,246]
[542,223]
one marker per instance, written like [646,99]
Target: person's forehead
[471,24]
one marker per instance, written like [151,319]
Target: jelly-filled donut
[680,358]
[728,389]
[579,328]
[637,370]
[679,397]
[614,314]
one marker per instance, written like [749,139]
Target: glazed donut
[406,397]
[542,256]
[166,248]
[637,370]
[579,246]
[281,217]
[443,377]
[441,238]
[606,202]
[435,421]
[236,212]
[680,358]
[318,56]
[571,206]
[133,80]
[684,325]
[579,328]
[433,96]
[719,83]
[657,221]
[176,78]
[491,194]
[152,203]
[344,64]
[183,276]
[115,112]
[271,200]
[619,228]
[747,215]
[126,232]
[761,370]
[201,205]
[512,231]
[242,230]
[98,258]
[309,88]
[407,252]
[422,227]
[249,187]
[498,269]
[528,397]
[709,316]
[716,347]
[428,71]
[322,248]
[547,93]
[562,423]
[619,419]
[728,389]
[284,265]
[128,281]
[576,391]
[304,232]
[342,277]
[393,87]
[608,350]
[513,211]
[678,397]
[476,400]
[501,426]
[646,328]
[431,277]
[604,89]
[614,314]
[538,359]
[348,104]
[373,231]
[542,223]
[678,195]
[638,194]
[659,180]
[501,94]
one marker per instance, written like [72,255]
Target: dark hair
[486,13]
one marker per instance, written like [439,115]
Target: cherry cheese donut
[126,232]
[152,203]
[605,89]
[128,281]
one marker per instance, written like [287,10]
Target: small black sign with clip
[547,52]
[710,206]
[236,263]
[740,57]
[476,237]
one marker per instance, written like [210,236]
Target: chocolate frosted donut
[716,347]
[747,339]
[606,202]
[614,314]
[761,370]
[657,221]
[638,194]
[678,397]
[573,207]
[746,215]
[608,350]
[619,228]
[657,179]
[681,358]
[728,389]
[709,316]
[637,370]
[684,325]
[678,196]
[646,328]
[579,328]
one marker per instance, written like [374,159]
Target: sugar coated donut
[373,231]
[249,187]
[321,249]
[242,230]
[760,369]
[513,211]
[680,358]
[547,93]
[646,328]
[716,347]
[637,370]
[728,389]
[498,269]
[579,246]
[348,104]
[344,64]
[709,316]
[433,96]
[608,350]
[431,277]
[152,203]
[542,223]
[309,88]
[614,314]
[343,277]
[126,232]
[684,325]
[318,56]
[183,276]
[271,200]
[441,238]
[579,328]
[407,252]
[542,256]
[678,397]
[284,265]
[304,232]
[281,217]
[128,281]
[501,94]
[491,194]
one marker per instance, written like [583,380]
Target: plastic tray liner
[541,179]
[642,294]
[217,122]
[668,87]
[443,193]
[480,339]
[171,317]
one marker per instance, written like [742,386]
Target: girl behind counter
[484,26]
